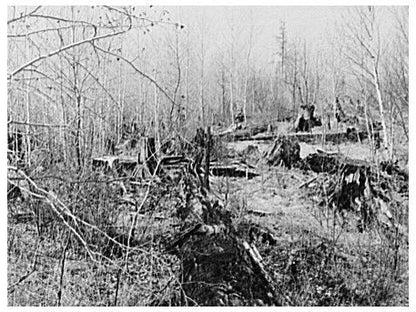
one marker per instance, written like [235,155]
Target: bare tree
[365,54]
[202,68]
[250,46]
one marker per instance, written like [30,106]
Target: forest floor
[277,199]
[291,210]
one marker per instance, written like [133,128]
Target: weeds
[95,247]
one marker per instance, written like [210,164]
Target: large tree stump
[357,186]
[284,151]
[147,154]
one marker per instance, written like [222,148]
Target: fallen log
[259,213]
[331,163]
[233,171]
[177,161]
[105,162]
[258,137]
[335,137]
[233,134]
[320,151]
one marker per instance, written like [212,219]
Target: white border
[412,155]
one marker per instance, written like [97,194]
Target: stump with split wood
[358,187]
[284,152]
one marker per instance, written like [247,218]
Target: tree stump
[284,152]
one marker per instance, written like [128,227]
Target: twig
[309,181]
[37,31]
[12,288]
[23,15]
[117,287]
[133,224]
[36,124]
[69,46]
[50,198]
[152,80]
[61,279]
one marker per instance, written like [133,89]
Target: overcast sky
[314,24]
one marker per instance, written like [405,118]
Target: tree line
[79,76]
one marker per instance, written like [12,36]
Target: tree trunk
[207,157]
[231,93]
[381,107]
[27,129]
[156,120]
[78,145]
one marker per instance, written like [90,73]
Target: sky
[314,24]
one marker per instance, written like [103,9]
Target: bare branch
[140,72]
[37,31]
[22,16]
[61,19]
[35,60]
[15,122]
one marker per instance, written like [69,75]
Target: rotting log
[335,137]
[244,134]
[331,163]
[259,213]
[128,165]
[233,171]
[106,163]
[177,161]
[234,134]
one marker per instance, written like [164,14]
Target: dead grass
[330,261]
[317,258]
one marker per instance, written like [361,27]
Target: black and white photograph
[205,155]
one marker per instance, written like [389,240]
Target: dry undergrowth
[84,244]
